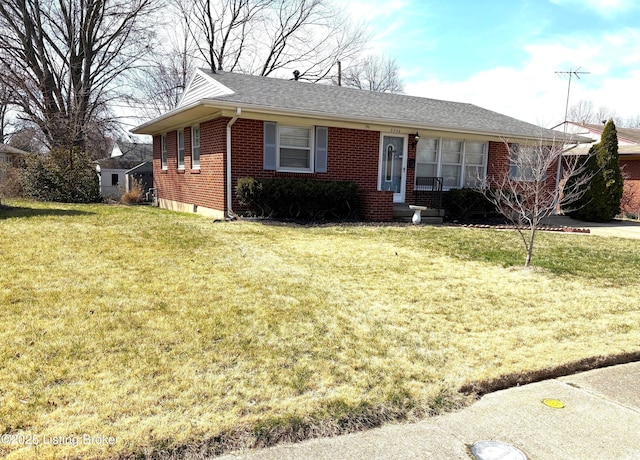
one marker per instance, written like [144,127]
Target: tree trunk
[532,237]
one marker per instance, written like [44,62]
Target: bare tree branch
[526,194]
[162,80]
[374,73]
[64,58]
[263,37]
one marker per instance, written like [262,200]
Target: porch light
[416,138]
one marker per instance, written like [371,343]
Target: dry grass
[175,334]
[135,195]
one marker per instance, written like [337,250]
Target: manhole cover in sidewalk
[496,450]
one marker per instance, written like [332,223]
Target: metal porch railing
[428,192]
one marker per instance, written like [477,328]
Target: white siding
[202,87]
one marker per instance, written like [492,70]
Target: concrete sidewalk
[600,420]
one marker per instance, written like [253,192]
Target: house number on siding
[395,130]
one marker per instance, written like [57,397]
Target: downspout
[230,213]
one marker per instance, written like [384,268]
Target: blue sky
[503,54]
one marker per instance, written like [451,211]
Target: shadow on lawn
[7,212]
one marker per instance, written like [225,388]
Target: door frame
[401,196]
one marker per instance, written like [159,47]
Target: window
[427,158]
[181,149]
[522,163]
[451,164]
[195,147]
[475,170]
[163,151]
[295,148]
[114,180]
[459,163]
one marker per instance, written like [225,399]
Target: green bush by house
[465,203]
[299,198]
[601,200]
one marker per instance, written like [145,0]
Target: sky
[503,55]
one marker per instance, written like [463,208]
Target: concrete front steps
[402,213]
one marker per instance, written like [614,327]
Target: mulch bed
[490,222]
[502,224]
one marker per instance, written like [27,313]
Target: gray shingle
[349,103]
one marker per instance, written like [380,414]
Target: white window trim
[163,152]
[180,132]
[312,146]
[463,165]
[193,146]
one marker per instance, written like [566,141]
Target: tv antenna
[577,72]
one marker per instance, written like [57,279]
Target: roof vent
[296,75]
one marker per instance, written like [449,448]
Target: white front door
[393,166]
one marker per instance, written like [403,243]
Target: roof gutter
[230,212]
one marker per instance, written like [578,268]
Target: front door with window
[393,167]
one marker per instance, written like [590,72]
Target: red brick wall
[497,160]
[353,155]
[201,187]
[631,195]
[498,165]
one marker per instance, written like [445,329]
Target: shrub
[601,201]
[299,198]
[10,185]
[64,175]
[134,195]
[465,203]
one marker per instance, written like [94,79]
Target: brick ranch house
[229,126]
[628,154]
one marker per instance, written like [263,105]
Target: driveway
[616,228]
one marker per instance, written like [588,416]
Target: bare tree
[161,82]
[630,122]
[262,37]
[526,194]
[585,112]
[4,112]
[6,99]
[64,59]
[374,73]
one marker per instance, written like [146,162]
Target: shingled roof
[133,154]
[298,98]
[7,149]
[624,134]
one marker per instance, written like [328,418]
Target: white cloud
[607,8]
[534,91]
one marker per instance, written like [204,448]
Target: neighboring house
[129,161]
[10,154]
[629,158]
[228,126]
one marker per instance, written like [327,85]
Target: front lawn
[151,331]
